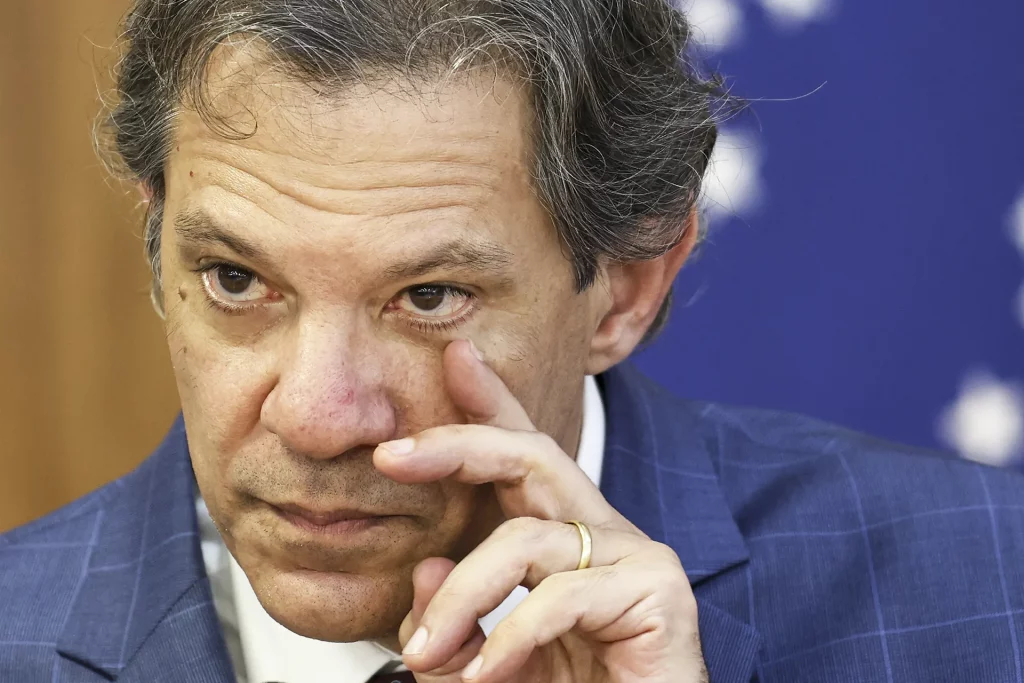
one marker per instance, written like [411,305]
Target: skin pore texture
[314,273]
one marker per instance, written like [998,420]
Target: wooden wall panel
[85,383]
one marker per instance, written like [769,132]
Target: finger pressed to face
[314,273]
[533,476]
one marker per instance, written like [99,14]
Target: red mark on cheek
[191,174]
[347,397]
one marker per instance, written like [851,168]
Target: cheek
[221,388]
[542,361]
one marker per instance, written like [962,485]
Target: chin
[338,607]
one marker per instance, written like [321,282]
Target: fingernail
[476,352]
[473,668]
[417,642]
[399,447]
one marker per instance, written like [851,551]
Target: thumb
[426,580]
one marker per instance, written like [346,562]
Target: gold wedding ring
[588,543]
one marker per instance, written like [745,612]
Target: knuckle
[522,528]
[545,443]
[664,554]
[427,437]
[656,620]
[667,579]
[515,633]
[460,430]
[563,583]
[514,627]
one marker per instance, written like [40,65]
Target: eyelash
[421,324]
[213,304]
[427,325]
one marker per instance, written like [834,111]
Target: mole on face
[182,294]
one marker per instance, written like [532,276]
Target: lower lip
[345,526]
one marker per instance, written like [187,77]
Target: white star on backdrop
[1016,221]
[733,183]
[1020,305]
[986,421]
[795,13]
[719,23]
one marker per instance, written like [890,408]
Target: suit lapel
[146,579]
[658,472]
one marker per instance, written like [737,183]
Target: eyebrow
[196,228]
[481,257]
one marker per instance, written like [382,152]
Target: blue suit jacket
[816,554]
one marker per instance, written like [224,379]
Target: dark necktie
[397,677]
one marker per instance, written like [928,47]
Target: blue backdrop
[866,253]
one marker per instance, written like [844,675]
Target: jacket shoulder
[54,526]
[43,563]
[872,551]
[821,465]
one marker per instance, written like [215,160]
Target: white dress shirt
[263,651]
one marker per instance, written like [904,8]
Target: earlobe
[629,295]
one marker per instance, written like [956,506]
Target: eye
[230,285]
[434,301]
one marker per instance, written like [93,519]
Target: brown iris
[234,280]
[427,297]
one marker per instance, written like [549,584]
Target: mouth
[334,522]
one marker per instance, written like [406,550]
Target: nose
[330,396]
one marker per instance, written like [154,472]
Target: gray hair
[624,123]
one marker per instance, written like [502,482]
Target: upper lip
[323,518]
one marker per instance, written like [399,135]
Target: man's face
[313,274]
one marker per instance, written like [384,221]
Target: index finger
[532,476]
[478,391]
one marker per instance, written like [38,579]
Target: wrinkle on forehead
[366,150]
[372,189]
[247,93]
[330,186]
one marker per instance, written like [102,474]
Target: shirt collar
[590,452]
[273,654]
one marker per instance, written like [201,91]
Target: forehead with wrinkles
[409,153]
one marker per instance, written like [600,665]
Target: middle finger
[522,551]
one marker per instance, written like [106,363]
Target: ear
[628,297]
[155,295]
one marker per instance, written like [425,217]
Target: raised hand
[629,616]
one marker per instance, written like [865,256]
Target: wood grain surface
[85,384]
